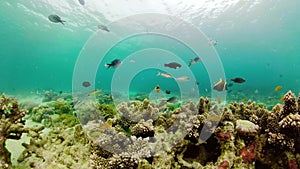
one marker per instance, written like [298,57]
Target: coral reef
[12,126]
[142,134]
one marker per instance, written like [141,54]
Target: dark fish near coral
[55,19]
[168,92]
[173,65]
[114,64]
[103,27]
[60,92]
[82,2]
[86,84]
[173,99]
[220,85]
[238,80]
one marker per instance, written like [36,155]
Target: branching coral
[11,126]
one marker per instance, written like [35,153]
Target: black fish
[168,91]
[238,80]
[115,63]
[55,19]
[173,65]
[173,99]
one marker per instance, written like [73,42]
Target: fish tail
[107,65]
[62,22]
[158,74]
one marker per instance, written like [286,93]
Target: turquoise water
[257,40]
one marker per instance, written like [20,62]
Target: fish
[105,125]
[173,99]
[86,84]
[114,64]
[212,42]
[277,88]
[197,83]
[95,93]
[173,65]
[60,92]
[220,85]
[192,62]
[244,99]
[103,27]
[55,19]
[219,100]
[82,2]
[197,59]
[157,88]
[182,79]
[282,99]
[238,80]
[168,92]
[132,61]
[164,75]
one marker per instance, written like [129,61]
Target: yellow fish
[278,88]
[95,93]
[219,100]
[157,89]
[244,99]
[106,125]
[282,99]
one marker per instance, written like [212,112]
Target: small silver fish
[212,42]
[164,75]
